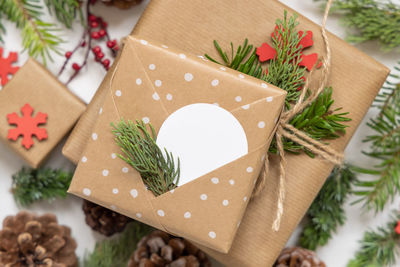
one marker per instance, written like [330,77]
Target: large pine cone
[123,4]
[298,257]
[159,249]
[36,241]
[102,220]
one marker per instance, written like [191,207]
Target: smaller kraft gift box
[219,123]
[36,112]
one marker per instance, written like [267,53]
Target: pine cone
[36,241]
[123,4]
[298,257]
[102,220]
[159,249]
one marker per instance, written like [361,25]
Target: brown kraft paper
[36,86]
[208,209]
[192,26]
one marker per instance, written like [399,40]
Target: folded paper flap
[210,203]
[256,104]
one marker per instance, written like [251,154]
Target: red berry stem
[72,53]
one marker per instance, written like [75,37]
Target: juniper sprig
[31,185]
[140,150]
[326,213]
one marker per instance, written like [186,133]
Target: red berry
[94,24]
[92,18]
[104,24]
[96,49]
[76,67]
[93,2]
[116,48]
[68,54]
[110,44]
[95,35]
[106,63]
[100,55]
[102,33]
[83,44]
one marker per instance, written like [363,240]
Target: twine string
[288,131]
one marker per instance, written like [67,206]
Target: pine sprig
[31,185]
[140,150]
[326,213]
[318,120]
[116,252]
[65,10]
[379,248]
[39,38]
[384,147]
[372,19]
[283,71]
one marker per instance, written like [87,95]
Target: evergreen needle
[31,185]
[116,252]
[379,248]
[326,213]
[140,150]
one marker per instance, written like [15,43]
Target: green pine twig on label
[31,185]
[160,174]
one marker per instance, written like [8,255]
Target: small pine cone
[122,4]
[102,220]
[159,249]
[30,240]
[298,257]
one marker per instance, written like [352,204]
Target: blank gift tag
[204,137]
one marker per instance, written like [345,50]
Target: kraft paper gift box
[35,86]
[192,26]
[154,83]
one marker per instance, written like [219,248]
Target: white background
[336,254]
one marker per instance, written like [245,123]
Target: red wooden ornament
[6,67]
[27,126]
[397,229]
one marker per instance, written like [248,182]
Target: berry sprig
[95,34]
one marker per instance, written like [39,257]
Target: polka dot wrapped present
[36,112]
[219,122]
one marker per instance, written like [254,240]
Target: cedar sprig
[372,20]
[160,174]
[385,148]
[32,185]
[379,248]
[116,252]
[282,71]
[319,121]
[39,38]
[65,10]
[326,213]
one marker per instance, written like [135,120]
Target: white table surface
[338,251]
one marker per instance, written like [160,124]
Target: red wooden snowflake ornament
[27,126]
[266,52]
[6,67]
[397,229]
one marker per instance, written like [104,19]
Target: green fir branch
[326,213]
[140,150]
[283,71]
[65,10]
[39,38]
[319,120]
[32,185]
[371,20]
[379,248]
[116,252]
[385,148]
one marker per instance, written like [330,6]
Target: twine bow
[286,130]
